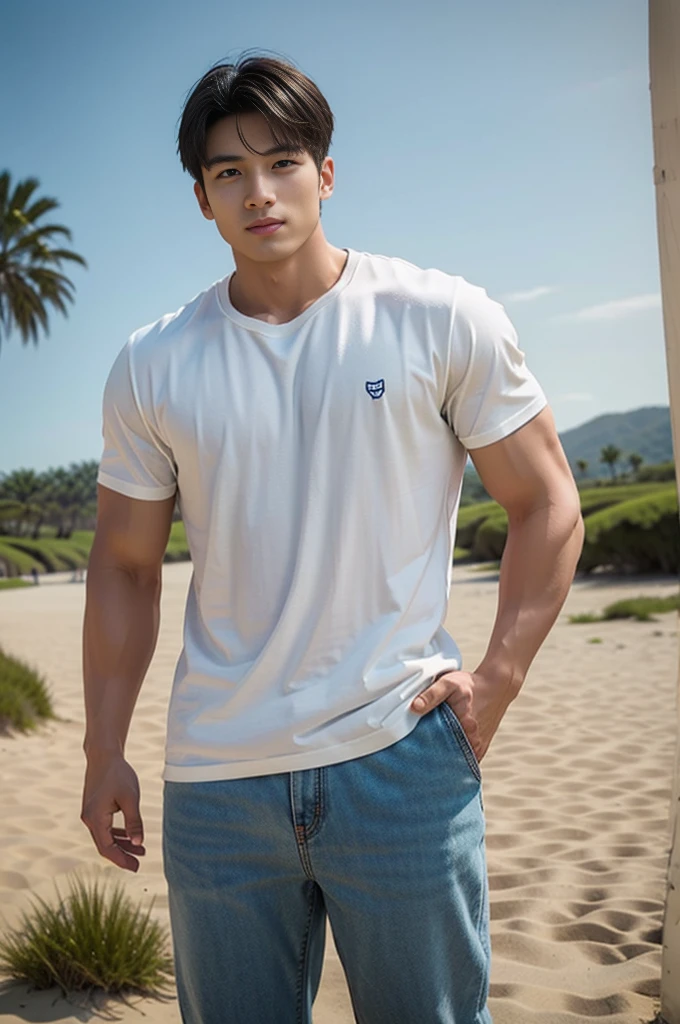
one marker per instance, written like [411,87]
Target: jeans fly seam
[319,793]
[300,832]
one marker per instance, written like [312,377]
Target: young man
[313,411]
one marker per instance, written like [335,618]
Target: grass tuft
[24,697]
[91,940]
[638,608]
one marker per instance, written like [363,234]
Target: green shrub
[24,697]
[90,940]
[16,563]
[470,518]
[594,499]
[490,536]
[50,561]
[14,583]
[640,535]
[70,554]
[634,528]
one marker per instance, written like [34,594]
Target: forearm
[537,569]
[120,630]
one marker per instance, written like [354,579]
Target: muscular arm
[120,630]
[529,475]
[122,612]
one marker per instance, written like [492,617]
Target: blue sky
[509,143]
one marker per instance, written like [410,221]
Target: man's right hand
[111,785]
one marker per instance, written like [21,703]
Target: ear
[202,201]
[327,175]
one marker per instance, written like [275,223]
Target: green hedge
[16,562]
[632,527]
[595,498]
[641,535]
[470,518]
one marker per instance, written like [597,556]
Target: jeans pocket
[451,720]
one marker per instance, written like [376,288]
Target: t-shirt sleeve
[490,391]
[135,461]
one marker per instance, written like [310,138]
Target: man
[313,412]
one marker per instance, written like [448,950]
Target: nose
[260,193]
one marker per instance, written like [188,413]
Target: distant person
[34,574]
[314,409]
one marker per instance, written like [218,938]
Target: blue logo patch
[375,388]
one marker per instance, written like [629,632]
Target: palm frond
[34,237]
[52,287]
[30,280]
[40,207]
[27,310]
[4,192]
[22,193]
[66,254]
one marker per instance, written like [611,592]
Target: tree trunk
[664,63]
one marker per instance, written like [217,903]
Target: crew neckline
[278,330]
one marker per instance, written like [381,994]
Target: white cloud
[618,309]
[530,295]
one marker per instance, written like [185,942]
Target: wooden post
[664,63]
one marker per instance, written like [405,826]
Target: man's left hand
[477,701]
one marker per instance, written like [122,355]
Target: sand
[576,789]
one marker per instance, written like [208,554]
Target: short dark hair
[296,111]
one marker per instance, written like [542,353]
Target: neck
[279,291]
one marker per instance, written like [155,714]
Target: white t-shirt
[319,464]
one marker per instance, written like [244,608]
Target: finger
[120,832]
[129,805]
[109,848]
[435,693]
[125,843]
[428,699]
[126,846]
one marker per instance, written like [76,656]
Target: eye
[228,170]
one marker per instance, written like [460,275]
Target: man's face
[242,187]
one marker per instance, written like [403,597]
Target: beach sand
[576,787]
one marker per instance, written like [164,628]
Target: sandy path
[576,791]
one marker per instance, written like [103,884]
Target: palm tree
[635,460]
[24,487]
[29,263]
[610,455]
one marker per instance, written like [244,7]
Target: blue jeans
[390,846]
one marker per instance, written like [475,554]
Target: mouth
[267,227]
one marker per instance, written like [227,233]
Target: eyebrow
[228,158]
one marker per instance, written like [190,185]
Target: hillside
[646,431]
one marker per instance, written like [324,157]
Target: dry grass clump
[24,698]
[89,940]
[640,609]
